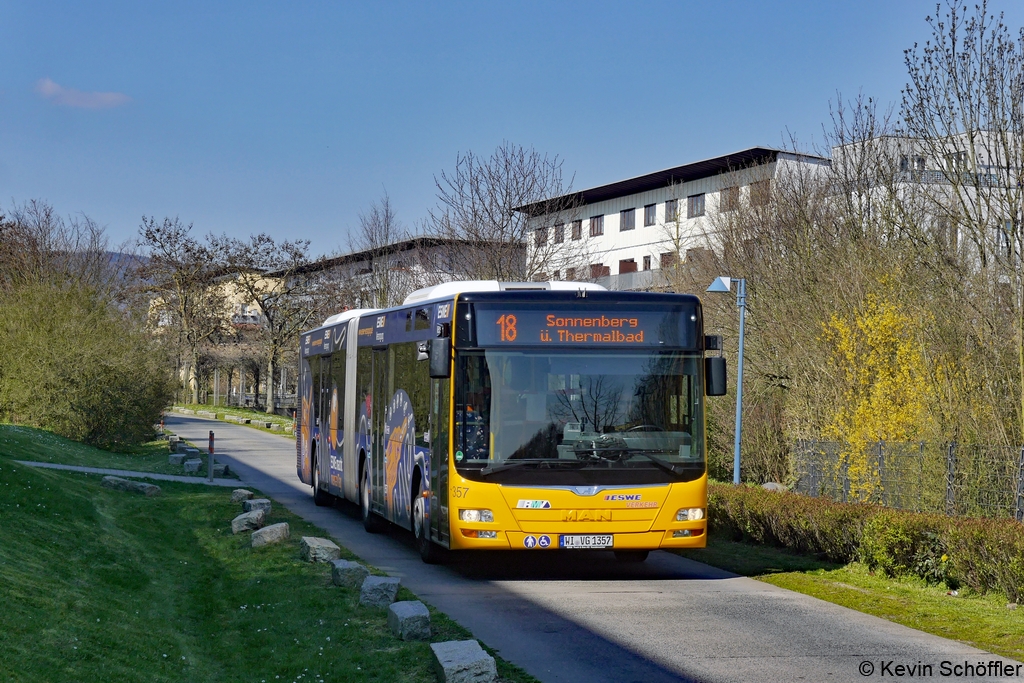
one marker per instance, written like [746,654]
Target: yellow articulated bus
[496,416]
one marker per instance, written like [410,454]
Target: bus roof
[346,315]
[449,289]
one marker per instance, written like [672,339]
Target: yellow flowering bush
[886,389]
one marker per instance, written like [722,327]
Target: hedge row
[983,554]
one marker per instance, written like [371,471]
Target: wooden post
[210,477]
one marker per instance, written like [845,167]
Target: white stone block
[314,549]
[378,591]
[348,574]
[275,533]
[256,504]
[238,495]
[463,661]
[409,620]
[247,521]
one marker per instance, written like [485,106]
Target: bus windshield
[610,417]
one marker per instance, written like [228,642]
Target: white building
[626,231]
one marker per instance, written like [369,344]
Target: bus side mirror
[440,351]
[714,376]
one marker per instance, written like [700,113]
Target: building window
[577,229]
[760,192]
[596,226]
[669,259]
[570,274]
[541,237]
[729,199]
[671,211]
[627,266]
[627,220]
[599,270]
[557,276]
[559,233]
[650,215]
[695,205]
[647,262]
[919,163]
[904,163]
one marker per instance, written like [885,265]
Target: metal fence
[950,478]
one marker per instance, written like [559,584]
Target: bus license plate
[585,542]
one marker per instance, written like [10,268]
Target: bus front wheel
[371,522]
[430,552]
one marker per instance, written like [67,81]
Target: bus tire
[321,498]
[430,552]
[631,555]
[373,523]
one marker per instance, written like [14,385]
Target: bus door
[312,437]
[378,410]
[323,418]
[439,431]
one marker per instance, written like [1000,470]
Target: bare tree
[964,110]
[385,279]
[37,244]
[275,277]
[182,276]
[479,214]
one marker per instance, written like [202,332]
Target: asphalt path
[584,617]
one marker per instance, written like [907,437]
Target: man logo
[586,515]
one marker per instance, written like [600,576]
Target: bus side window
[314,375]
[364,367]
[414,378]
[338,380]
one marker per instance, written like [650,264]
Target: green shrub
[898,543]
[982,554]
[789,520]
[988,554]
[74,364]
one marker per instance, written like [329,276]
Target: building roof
[754,156]
[409,244]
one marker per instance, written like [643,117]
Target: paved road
[586,618]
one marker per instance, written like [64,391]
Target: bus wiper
[663,464]
[512,464]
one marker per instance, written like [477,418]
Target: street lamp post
[724,284]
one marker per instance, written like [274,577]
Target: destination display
[499,326]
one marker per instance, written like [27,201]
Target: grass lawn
[982,621]
[250,413]
[102,585]
[29,443]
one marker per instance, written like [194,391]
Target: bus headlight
[690,514]
[476,516]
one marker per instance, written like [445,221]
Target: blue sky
[292,118]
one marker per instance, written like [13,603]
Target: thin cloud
[69,97]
